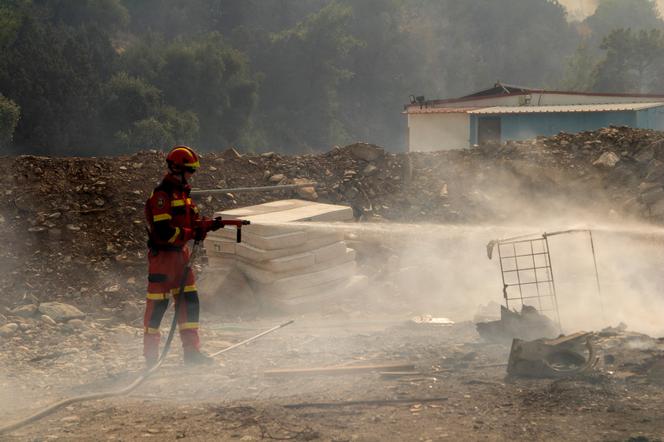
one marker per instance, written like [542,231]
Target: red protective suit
[173,220]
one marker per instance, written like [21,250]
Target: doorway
[488,130]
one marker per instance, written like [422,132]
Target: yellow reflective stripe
[188,200]
[195,165]
[177,203]
[151,331]
[187,289]
[157,296]
[188,325]
[175,235]
[162,217]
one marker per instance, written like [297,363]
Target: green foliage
[299,101]
[95,76]
[611,15]
[105,15]
[633,61]
[9,115]
[55,75]
[201,75]
[127,100]
[579,72]
[168,128]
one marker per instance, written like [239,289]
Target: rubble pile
[73,228]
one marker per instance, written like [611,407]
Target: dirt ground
[73,232]
[459,391]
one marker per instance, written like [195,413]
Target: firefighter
[173,219]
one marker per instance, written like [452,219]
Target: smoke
[443,270]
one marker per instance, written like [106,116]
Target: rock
[369,170]
[277,178]
[60,312]
[607,159]
[25,311]
[308,193]
[47,320]
[365,151]
[230,154]
[8,330]
[268,154]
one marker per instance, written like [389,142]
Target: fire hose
[123,391]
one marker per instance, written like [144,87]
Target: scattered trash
[430,320]
[528,325]
[544,358]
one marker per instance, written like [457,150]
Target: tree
[55,75]
[127,100]
[202,75]
[168,128]
[9,115]
[579,73]
[632,63]
[611,15]
[304,66]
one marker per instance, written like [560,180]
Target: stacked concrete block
[285,259]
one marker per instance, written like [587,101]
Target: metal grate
[525,265]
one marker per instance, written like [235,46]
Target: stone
[48,320]
[8,330]
[365,151]
[277,178]
[607,159]
[25,311]
[369,170]
[60,312]
[308,193]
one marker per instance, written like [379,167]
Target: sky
[580,9]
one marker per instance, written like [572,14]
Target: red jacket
[171,214]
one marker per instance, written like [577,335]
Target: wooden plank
[414,400]
[340,370]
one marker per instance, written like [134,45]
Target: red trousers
[165,269]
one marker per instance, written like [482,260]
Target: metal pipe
[252,189]
[246,341]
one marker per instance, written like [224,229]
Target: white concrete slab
[251,253]
[307,280]
[272,271]
[219,246]
[327,253]
[286,211]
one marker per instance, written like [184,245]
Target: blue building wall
[525,126]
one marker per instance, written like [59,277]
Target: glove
[200,233]
[216,224]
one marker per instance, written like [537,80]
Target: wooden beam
[339,370]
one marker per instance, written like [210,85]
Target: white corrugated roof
[611,107]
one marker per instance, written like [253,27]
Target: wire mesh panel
[525,265]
